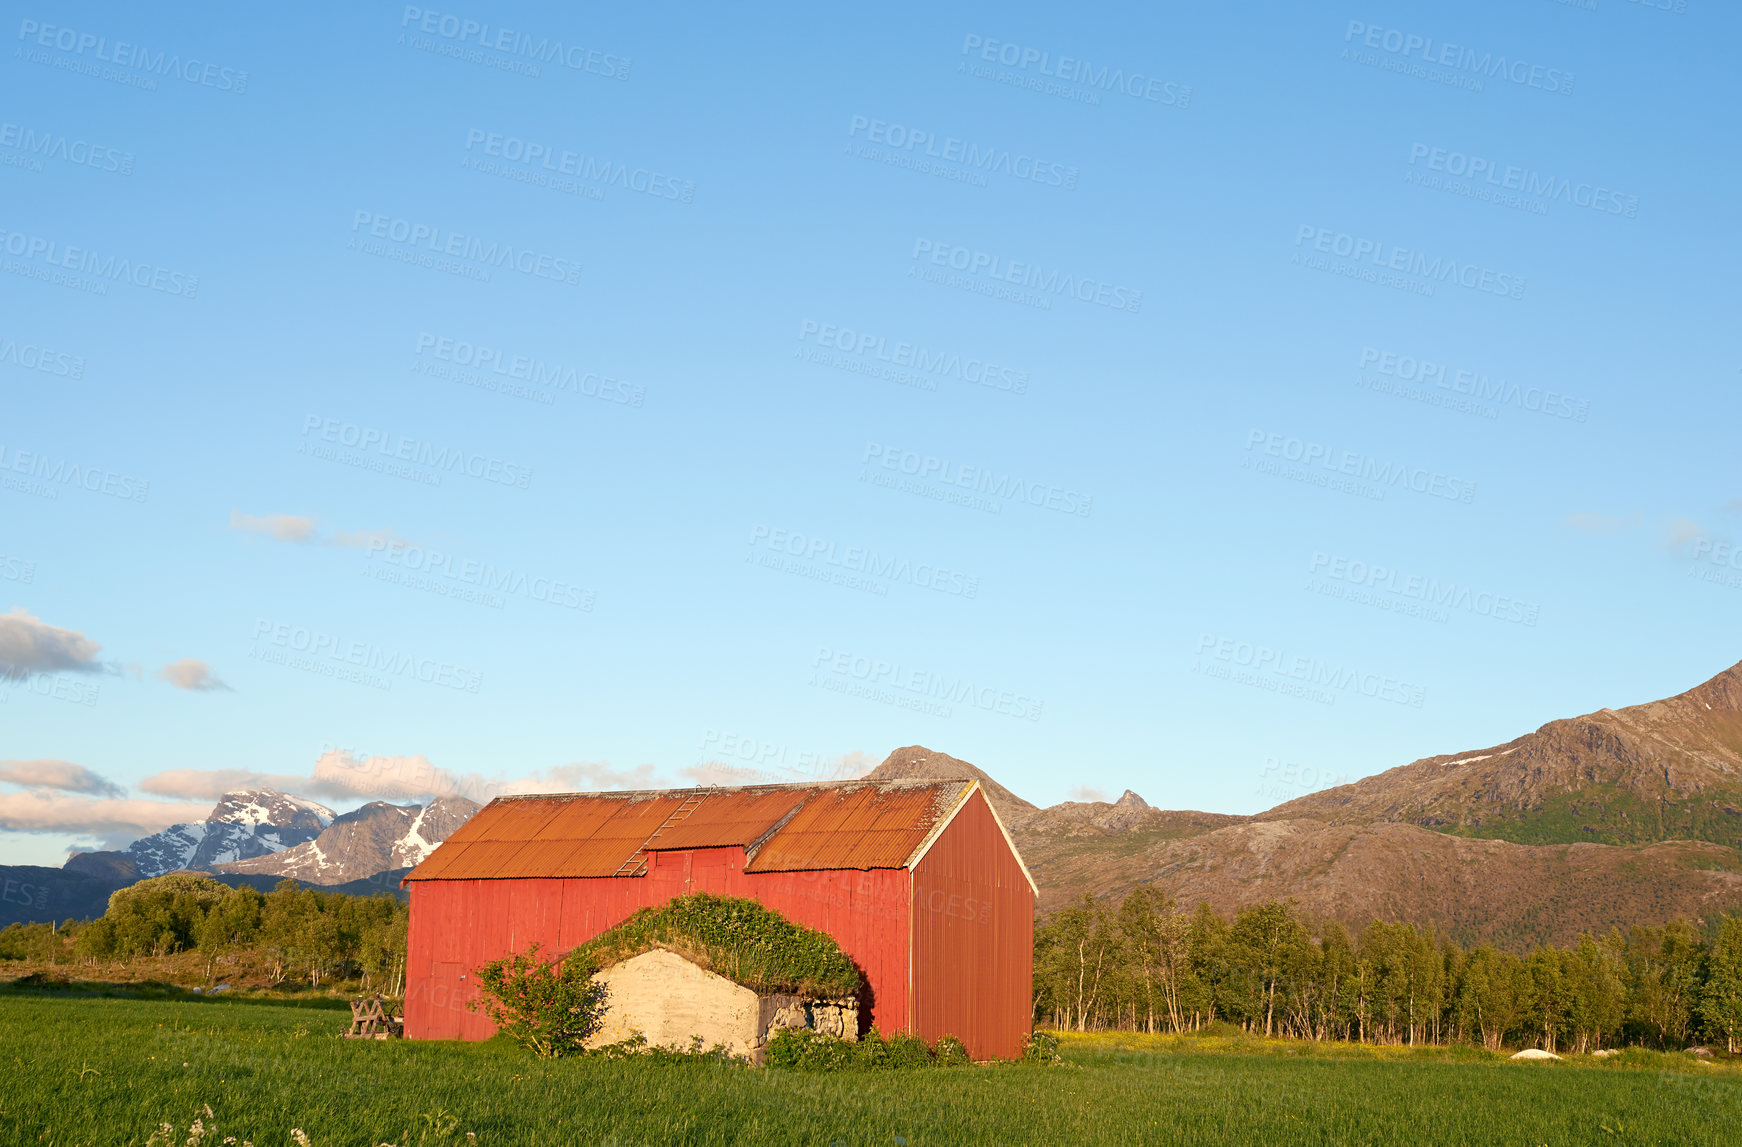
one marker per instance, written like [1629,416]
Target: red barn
[919,882]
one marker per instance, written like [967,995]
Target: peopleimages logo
[1388,257]
[348,659]
[545,163]
[79,152]
[1428,592]
[483,575]
[1407,46]
[31,356]
[1473,384]
[948,149]
[515,46]
[1523,180]
[1025,275]
[416,452]
[1360,467]
[929,468]
[429,241]
[104,269]
[1070,70]
[491,365]
[1301,675]
[132,58]
[55,472]
[911,356]
[860,560]
[918,688]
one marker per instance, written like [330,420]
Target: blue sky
[560,399]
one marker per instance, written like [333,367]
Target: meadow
[89,1066]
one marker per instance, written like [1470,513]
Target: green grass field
[85,1070]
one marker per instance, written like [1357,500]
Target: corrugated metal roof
[785,828]
[726,818]
[862,826]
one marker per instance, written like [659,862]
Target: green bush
[736,938]
[1041,1047]
[549,1007]
[908,1051]
[800,1049]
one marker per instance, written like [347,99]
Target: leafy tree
[1546,994]
[1075,961]
[1156,937]
[161,916]
[1264,938]
[231,924]
[1489,999]
[1596,991]
[1664,965]
[1721,1002]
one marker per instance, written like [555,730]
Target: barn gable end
[972,922]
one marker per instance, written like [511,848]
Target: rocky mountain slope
[1665,770]
[245,823]
[378,837]
[1615,818]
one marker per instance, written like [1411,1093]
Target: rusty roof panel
[518,820]
[867,826]
[482,859]
[853,824]
[594,858]
[577,820]
[728,818]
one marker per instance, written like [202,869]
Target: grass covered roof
[735,938]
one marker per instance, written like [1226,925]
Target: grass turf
[84,1069]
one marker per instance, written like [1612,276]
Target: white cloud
[46,773]
[192,674]
[339,775]
[30,645]
[111,818]
[211,784]
[282,527]
[1085,793]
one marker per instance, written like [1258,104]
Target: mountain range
[252,836]
[378,837]
[245,823]
[1615,818]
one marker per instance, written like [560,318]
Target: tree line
[290,933]
[1150,965]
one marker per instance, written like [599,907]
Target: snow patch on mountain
[379,837]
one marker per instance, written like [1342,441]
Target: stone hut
[673,1002]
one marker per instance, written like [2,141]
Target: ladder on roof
[636,865]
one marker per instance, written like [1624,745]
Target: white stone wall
[670,1001]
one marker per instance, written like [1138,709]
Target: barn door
[447,999]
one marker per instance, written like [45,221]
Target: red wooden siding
[973,938]
[456,925]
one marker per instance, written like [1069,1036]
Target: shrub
[549,1007]
[1041,1047]
[738,939]
[952,1052]
[908,1051]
